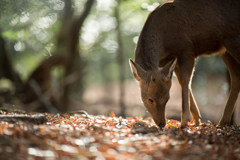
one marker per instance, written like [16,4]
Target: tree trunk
[69,42]
[120,60]
[6,68]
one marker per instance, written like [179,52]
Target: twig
[41,97]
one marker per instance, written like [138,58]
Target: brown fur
[176,33]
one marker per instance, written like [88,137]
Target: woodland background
[64,55]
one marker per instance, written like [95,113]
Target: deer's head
[155,86]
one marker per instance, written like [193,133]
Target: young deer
[176,33]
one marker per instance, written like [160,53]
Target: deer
[173,36]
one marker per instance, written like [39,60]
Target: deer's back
[197,25]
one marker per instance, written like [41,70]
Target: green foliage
[5,84]
[29,28]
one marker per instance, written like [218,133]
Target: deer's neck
[145,59]
[148,48]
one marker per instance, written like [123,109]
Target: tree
[66,51]
[120,60]
[6,69]
[69,39]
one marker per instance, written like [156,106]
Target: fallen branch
[36,119]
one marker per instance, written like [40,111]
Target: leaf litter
[87,137]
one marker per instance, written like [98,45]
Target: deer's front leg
[185,106]
[184,71]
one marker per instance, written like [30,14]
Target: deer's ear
[137,71]
[168,69]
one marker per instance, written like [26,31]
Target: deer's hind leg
[194,110]
[233,65]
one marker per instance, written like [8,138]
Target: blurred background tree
[73,54]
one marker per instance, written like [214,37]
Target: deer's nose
[161,125]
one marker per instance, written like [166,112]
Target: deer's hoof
[197,122]
[184,125]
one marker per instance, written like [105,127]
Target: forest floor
[210,95]
[86,137]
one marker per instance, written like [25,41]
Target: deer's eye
[150,101]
